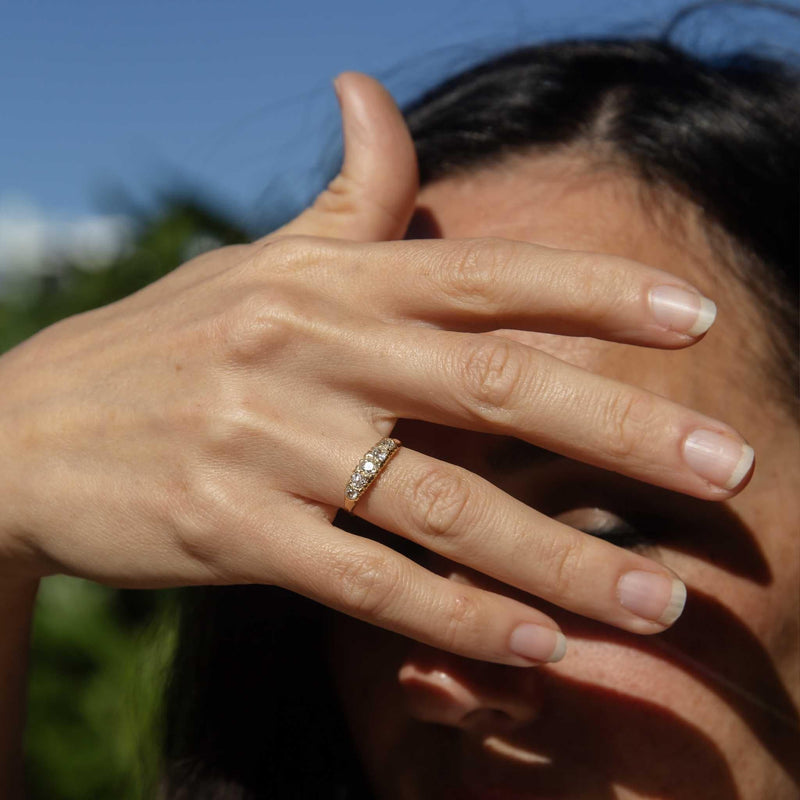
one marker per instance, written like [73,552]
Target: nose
[467,694]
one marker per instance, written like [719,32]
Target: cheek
[625,712]
[738,640]
[633,683]
[690,704]
[714,687]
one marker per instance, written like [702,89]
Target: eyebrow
[513,454]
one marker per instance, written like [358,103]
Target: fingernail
[652,596]
[719,459]
[538,643]
[681,310]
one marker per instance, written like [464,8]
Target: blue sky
[236,96]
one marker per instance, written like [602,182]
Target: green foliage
[99,655]
[95,689]
[161,243]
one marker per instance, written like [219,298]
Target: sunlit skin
[708,709]
[235,394]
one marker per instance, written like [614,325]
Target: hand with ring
[207,429]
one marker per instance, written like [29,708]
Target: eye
[605,525]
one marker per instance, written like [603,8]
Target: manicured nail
[652,596]
[538,643]
[681,310]
[719,459]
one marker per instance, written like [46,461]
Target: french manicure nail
[682,310]
[652,596]
[719,459]
[537,642]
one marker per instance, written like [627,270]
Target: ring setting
[367,469]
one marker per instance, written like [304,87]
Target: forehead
[560,202]
[595,206]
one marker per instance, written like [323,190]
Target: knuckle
[469,274]
[260,324]
[365,584]
[301,259]
[340,198]
[286,253]
[563,564]
[440,498]
[201,518]
[233,430]
[490,370]
[210,520]
[461,617]
[626,422]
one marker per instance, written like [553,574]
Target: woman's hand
[203,429]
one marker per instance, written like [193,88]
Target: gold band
[374,460]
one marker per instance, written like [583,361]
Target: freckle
[178,367]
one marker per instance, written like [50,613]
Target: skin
[709,708]
[201,430]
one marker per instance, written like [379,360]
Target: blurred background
[136,135]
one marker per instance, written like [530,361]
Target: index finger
[489,283]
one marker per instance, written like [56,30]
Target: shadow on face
[705,710]
[579,728]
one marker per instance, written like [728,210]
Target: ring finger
[451,511]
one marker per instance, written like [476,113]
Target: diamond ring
[373,461]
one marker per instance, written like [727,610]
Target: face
[708,709]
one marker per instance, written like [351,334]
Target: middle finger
[491,384]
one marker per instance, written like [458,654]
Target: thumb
[372,198]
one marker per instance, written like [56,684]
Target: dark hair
[251,708]
[723,135]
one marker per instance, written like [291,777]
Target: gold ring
[373,461]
